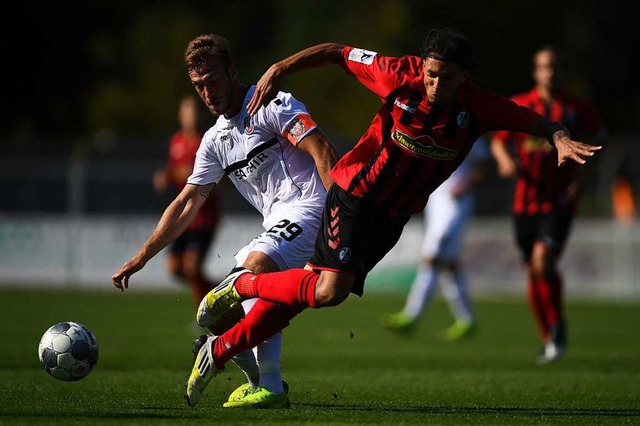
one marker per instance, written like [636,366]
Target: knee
[329,297]
[331,293]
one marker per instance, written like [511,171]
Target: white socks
[422,291]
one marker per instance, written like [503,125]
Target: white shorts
[445,220]
[289,243]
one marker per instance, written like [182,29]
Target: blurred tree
[77,70]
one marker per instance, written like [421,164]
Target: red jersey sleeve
[590,122]
[380,74]
[497,112]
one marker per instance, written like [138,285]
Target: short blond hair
[204,47]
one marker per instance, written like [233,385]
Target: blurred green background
[75,69]
[101,78]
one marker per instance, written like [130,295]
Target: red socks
[282,296]
[537,306]
[545,300]
[263,321]
[554,288]
[293,287]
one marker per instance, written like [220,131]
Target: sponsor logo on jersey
[345,254]
[362,56]
[463,119]
[533,144]
[404,107]
[248,125]
[253,165]
[424,146]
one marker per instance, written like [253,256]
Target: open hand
[573,150]
[121,278]
[266,89]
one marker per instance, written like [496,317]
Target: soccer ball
[68,351]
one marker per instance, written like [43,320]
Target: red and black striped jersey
[542,186]
[411,146]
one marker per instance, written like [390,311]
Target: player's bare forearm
[312,57]
[323,152]
[506,166]
[174,221]
[558,135]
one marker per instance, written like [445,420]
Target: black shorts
[551,228]
[354,236]
[195,241]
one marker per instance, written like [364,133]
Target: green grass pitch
[341,366]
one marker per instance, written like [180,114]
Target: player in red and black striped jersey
[545,196]
[431,114]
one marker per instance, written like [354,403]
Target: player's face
[544,69]
[442,80]
[214,84]
[188,113]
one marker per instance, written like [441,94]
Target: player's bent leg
[263,321]
[332,288]
[221,308]
[204,369]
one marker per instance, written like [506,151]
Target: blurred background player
[279,161]
[187,254]
[546,196]
[446,216]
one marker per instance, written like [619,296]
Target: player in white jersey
[446,216]
[279,160]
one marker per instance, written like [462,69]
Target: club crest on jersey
[362,56]
[345,254]
[248,125]
[463,119]
[428,149]
[296,128]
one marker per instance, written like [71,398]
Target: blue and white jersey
[260,156]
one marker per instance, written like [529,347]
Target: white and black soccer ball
[68,351]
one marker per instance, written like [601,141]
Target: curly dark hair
[448,45]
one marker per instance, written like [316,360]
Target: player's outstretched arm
[312,57]
[324,154]
[174,221]
[507,168]
[559,136]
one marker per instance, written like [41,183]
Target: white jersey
[259,155]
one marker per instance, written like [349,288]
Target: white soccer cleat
[204,369]
[551,352]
